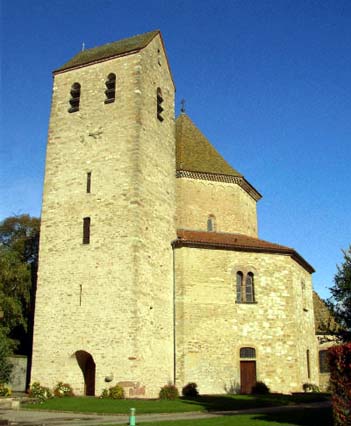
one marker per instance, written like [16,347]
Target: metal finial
[83,46]
[182,109]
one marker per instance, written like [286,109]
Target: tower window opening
[75,98]
[86,230]
[160,109]
[110,91]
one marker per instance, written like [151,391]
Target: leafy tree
[340,302]
[5,365]
[19,242]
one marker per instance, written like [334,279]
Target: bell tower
[105,287]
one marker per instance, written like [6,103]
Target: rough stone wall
[233,208]
[105,297]
[212,327]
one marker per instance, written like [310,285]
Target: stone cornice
[216,177]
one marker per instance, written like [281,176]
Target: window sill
[246,303]
[109,101]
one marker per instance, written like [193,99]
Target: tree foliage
[340,302]
[19,242]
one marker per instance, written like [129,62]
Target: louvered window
[75,98]
[159,104]
[110,91]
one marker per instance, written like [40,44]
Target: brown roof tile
[237,242]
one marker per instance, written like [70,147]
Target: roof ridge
[108,50]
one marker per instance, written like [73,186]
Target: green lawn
[307,417]
[201,403]
[296,417]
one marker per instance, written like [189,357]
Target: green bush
[5,390]
[260,388]
[310,387]
[169,392]
[63,389]
[39,392]
[116,392]
[340,383]
[105,393]
[190,390]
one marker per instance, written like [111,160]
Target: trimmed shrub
[190,390]
[340,383]
[41,393]
[169,392]
[105,393]
[116,392]
[5,390]
[310,387]
[63,389]
[260,388]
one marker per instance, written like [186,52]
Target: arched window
[75,98]
[249,288]
[159,104]
[245,289]
[110,91]
[239,286]
[247,352]
[211,223]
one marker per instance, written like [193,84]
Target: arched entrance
[87,365]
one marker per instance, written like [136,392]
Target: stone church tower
[105,286]
[150,266]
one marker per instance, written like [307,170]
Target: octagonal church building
[150,268]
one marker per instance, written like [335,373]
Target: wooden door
[247,376]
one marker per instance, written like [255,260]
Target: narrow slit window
[110,91]
[211,223]
[75,98]
[86,230]
[88,182]
[308,363]
[159,104]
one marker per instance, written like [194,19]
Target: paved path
[50,418]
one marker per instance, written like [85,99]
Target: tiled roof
[195,153]
[236,242]
[109,50]
[324,321]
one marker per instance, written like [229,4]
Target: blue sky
[268,82]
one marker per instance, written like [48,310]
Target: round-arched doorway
[87,365]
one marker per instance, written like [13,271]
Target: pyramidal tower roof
[195,153]
[196,157]
[100,53]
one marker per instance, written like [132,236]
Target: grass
[201,403]
[297,417]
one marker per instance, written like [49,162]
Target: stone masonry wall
[212,327]
[233,208]
[105,297]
